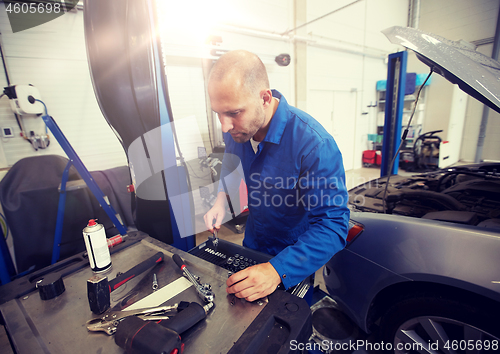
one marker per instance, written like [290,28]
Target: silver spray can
[97,246]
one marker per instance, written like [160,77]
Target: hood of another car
[457,61]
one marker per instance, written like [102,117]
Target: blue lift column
[178,192]
[394,102]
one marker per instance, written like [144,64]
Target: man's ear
[267,97]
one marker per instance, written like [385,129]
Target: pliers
[109,322]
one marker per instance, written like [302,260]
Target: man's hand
[217,212]
[254,282]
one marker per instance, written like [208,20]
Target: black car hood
[458,62]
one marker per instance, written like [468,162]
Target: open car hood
[458,62]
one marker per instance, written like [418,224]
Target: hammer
[99,288]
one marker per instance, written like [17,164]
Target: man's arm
[217,212]
[229,182]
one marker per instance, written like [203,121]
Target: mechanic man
[293,171]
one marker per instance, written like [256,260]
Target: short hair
[245,65]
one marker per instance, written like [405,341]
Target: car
[421,268]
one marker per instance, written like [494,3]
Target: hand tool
[137,336]
[50,286]
[134,335]
[99,289]
[109,322]
[115,240]
[155,282]
[214,238]
[204,290]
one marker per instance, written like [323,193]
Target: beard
[244,135]
[240,137]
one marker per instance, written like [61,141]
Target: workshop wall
[472,21]
[346,56]
[52,57]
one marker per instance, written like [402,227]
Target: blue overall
[297,198]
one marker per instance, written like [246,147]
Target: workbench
[232,326]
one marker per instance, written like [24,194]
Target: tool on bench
[204,290]
[214,238]
[155,282]
[99,289]
[136,336]
[109,322]
[50,286]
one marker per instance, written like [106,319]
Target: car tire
[442,325]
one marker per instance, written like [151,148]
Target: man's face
[239,111]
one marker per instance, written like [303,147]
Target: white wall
[470,21]
[345,58]
[52,57]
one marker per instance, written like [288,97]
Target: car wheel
[438,325]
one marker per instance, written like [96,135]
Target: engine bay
[468,194]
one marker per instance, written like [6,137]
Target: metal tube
[486,109]
[414,14]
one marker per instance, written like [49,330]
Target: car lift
[395,94]
[6,265]
[74,160]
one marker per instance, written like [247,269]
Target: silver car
[422,266]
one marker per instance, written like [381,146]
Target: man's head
[239,92]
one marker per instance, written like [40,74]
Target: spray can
[97,246]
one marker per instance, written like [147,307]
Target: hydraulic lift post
[394,102]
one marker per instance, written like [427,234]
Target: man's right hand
[217,213]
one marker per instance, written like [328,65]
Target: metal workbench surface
[59,325]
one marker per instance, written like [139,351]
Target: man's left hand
[254,282]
